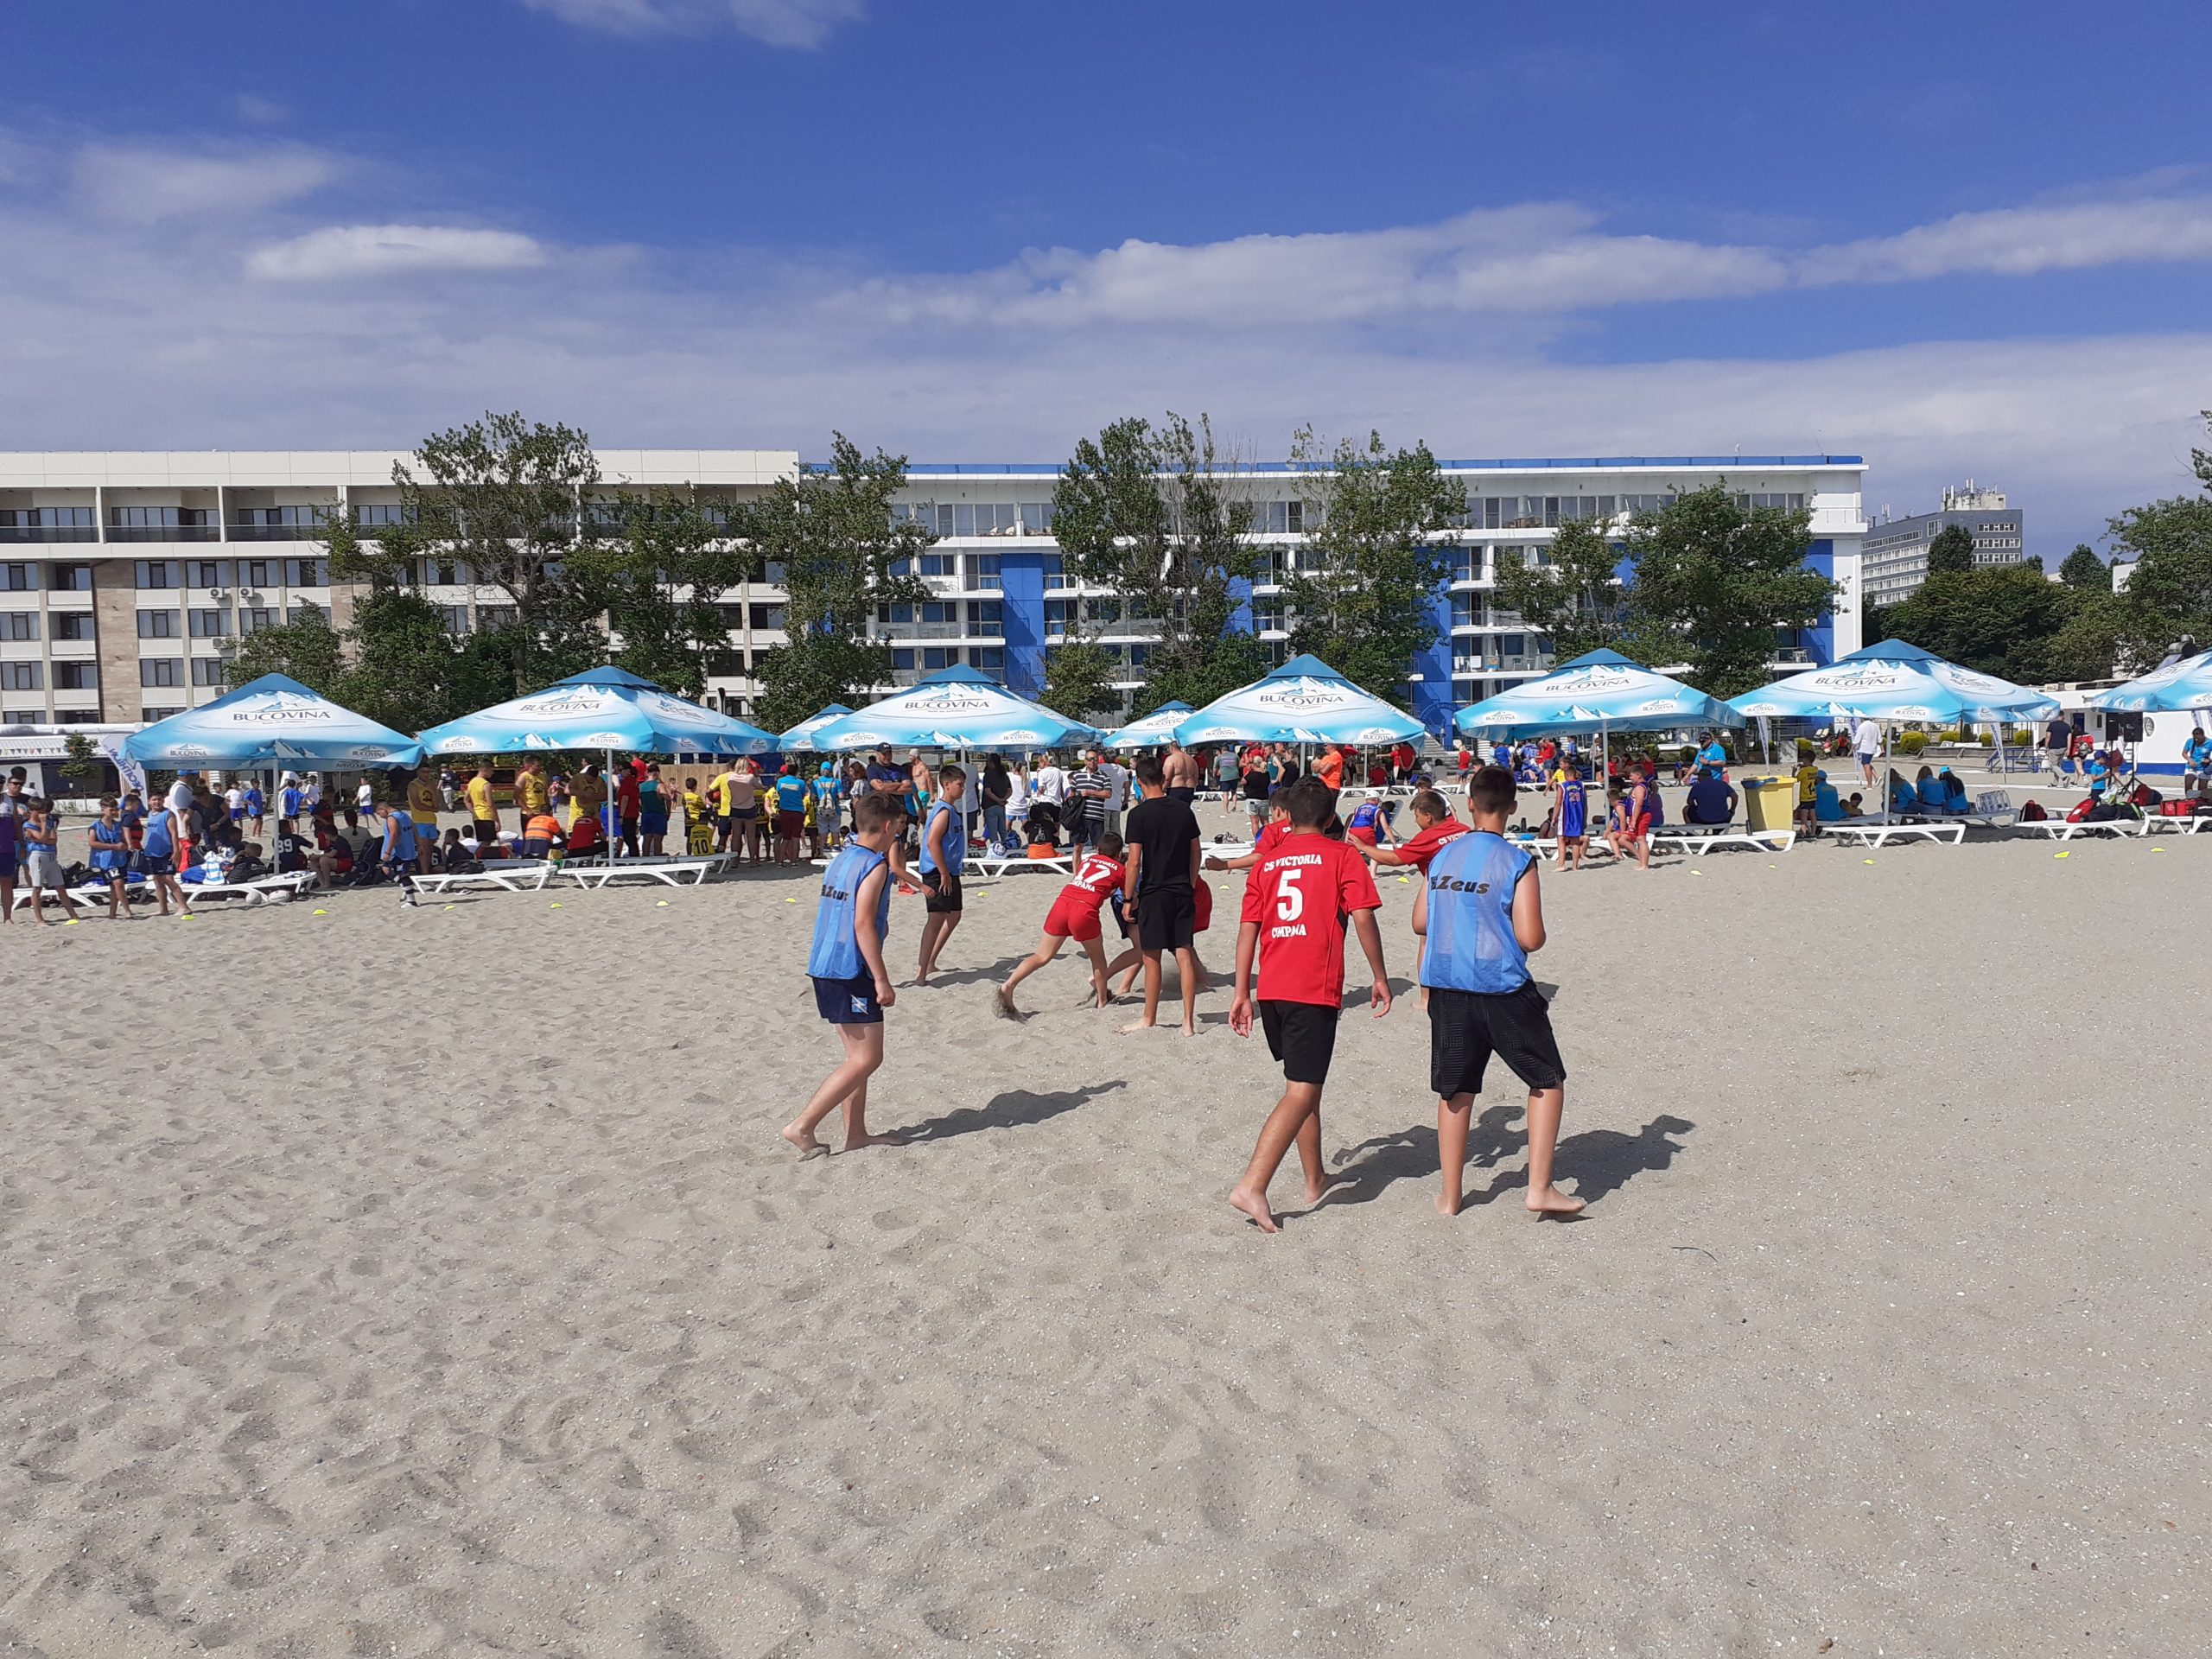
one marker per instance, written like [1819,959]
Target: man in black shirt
[1162,874]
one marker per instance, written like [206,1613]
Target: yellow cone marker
[2062,854]
[1866,861]
[557,904]
[791,901]
[445,906]
[318,913]
[71,922]
[1402,880]
[660,904]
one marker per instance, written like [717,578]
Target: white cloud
[2023,241]
[339,251]
[798,23]
[143,185]
[261,112]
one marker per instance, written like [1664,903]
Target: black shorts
[940,893]
[1466,1027]
[1167,919]
[1183,792]
[486,831]
[848,1001]
[1303,1036]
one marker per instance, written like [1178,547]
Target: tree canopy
[2085,572]
[1570,593]
[1952,551]
[1156,514]
[1363,594]
[831,539]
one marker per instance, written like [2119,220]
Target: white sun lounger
[2155,825]
[507,875]
[260,891]
[997,864]
[1878,834]
[669,872]
[1695,841]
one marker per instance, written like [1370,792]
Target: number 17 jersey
[1297,894]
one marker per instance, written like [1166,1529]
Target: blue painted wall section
[1022,576]
[1819,639]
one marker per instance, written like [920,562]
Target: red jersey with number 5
[1297,893]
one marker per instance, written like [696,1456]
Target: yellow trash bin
[1770,803]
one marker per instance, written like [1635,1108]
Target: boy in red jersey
[1074,916]
[1436,825]
[1294,903]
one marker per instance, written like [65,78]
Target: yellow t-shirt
[529,793]
[1808,785]
[423,801]
[722,787]
[695,809]
[479,791]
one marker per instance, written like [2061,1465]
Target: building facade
[126,578]
[1896,551]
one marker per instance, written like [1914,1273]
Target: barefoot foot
[1004,999]
[1135,1025]
[1315,1191]
[1447,1206]
[1552,1202]
[805,1141]
[1255,1205]
[854,1142]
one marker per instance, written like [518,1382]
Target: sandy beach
[430,1281]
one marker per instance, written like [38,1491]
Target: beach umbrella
[1304,701]
[1153,731]
[607,709]
[271,722]
[1894,681]
[801,736]
[2178,687]
[953,708]
[1600,691]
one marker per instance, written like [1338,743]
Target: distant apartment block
[1894,559]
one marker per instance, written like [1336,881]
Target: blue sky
[1961,239]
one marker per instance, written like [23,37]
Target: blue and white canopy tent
[801,736]
[1152,731]
[270,722]
[952,709]
[2179,687]
[1304,701]
[1892,682]
[1600,691]
[607,709]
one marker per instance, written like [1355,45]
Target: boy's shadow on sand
[1596,1162]
[1011,1110]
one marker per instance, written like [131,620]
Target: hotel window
[76,677]
[1267,615]
[1058,613]
[70,578]
[373,516]
[941,611]
[157,625]
[157,573]
[1465,611]
[207,670]
[306,573]
[1054,565]
[940,564]
[901,613]
[936,656]
[902,656]
[490,617]
[23,676]
[990,659]
[48,524]
[18,578]
[987,616]
[162,670]
[1279,518]
[211,625]
[18,625]
[1036,517]
[454,618]
[254,573]
[207,573]
[253,618]
[983,571]
[71,625]
[160,525]
[768,616]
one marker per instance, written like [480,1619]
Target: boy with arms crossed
[1480,916]
[1294,901]
[852,987]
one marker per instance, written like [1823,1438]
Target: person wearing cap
[826,807]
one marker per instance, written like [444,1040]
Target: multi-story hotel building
[126,578]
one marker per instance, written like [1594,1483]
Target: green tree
[1951,552]
[1363,595]
[1570,592]
[660,564]
[1996,619]
[307,649]
[1156,515]
[2084,572]
[1719,582]
[841,554]
[407,672]
[83,765]
[1078,681]
[500,502]
[2169,592]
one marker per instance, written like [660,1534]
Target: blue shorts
[652,823]
[848,1001]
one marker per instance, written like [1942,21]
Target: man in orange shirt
[1329,766]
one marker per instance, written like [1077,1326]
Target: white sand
[434,1282]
